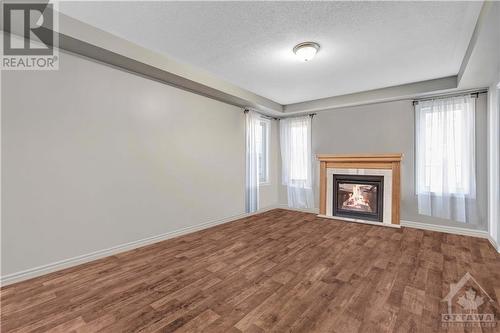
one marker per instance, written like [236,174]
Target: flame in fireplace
[356,199]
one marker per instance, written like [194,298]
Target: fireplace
[381,175]
[358,197]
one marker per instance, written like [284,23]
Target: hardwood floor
[279,271]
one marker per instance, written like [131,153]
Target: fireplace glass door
[358,196]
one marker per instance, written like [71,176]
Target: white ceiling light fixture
[306,51]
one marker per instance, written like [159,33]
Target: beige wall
[94,157]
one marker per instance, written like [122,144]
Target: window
[299,169]
[262,142]
[445,157]
[296,154]
[445,145]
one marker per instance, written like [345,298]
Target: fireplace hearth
[358,197]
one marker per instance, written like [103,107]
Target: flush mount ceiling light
[306,51]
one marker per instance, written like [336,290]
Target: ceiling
[364,45]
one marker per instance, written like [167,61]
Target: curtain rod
[275,118]
[262,115]
[473,93]
[303,115]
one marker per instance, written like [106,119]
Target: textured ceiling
[364,45]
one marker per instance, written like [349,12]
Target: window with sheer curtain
[295,141]
[445,157]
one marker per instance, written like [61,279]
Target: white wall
[494,161]
[492,65]
[94,157]
[389,128]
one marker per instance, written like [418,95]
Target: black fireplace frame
[359,179]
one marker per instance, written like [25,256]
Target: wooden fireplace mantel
[362,161]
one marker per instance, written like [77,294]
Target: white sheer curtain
[295,137]
[446,159]
[252,122]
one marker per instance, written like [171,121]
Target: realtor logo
[28,38]
[469,305]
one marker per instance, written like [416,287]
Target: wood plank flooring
[279,271]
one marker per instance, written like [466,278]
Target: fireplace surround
[359,200]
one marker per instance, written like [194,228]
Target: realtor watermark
[469,305]
[28,40]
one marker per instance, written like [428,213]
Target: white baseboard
[411,224]
[494,243]
[304,210]
[424,226]
[452,230]
[446,229]
[66,263]
[419,225]
[378,224]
